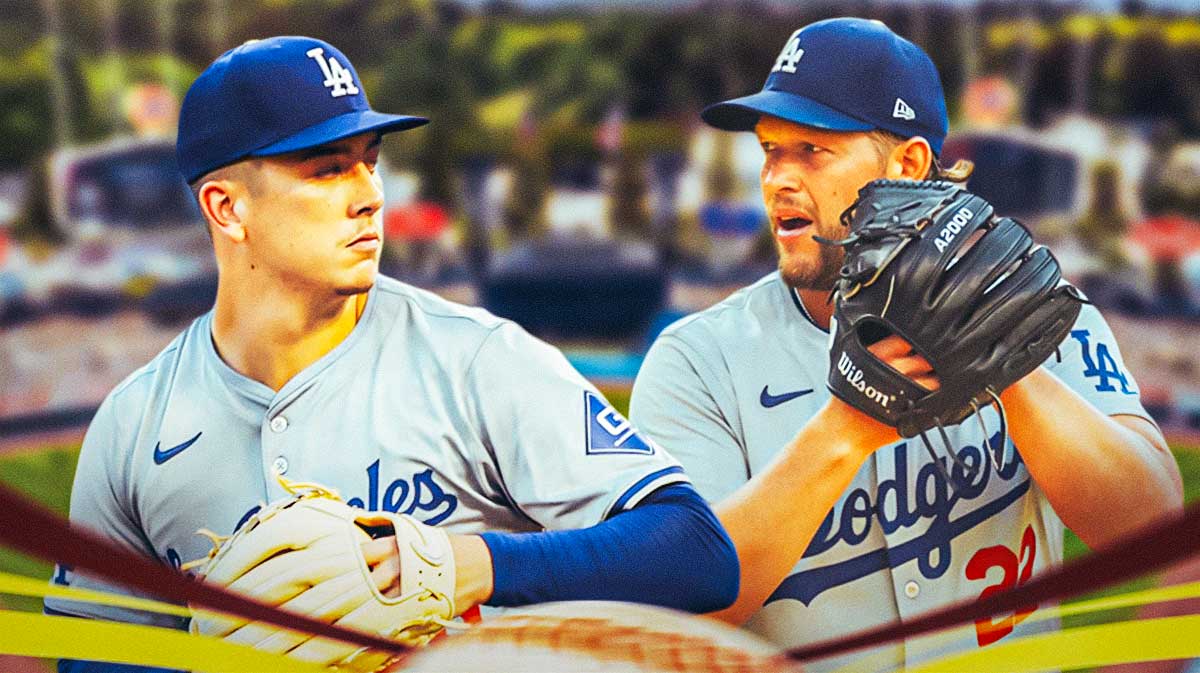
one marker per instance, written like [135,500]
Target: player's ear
[910,160]
[222,203]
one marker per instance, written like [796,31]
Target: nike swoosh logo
[768,400]
[161,457]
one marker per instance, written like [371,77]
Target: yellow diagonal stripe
[926,643]
[1126,600]
[32,635]
[24,586]
[1100,645]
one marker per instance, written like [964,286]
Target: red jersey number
[1017,571]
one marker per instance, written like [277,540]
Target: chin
[355,286]
[808,273]
[353,291]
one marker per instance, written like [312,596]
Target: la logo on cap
[903,111]
[337,77]
[790,55]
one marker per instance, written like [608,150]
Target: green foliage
[44,475]
[25,106]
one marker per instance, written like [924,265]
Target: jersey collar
[795,295]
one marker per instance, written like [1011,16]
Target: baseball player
[839,526]
[312,366]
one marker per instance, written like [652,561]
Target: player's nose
[368,192]
[781,175]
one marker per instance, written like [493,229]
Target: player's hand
[899,355]
[867,433]
[383,559]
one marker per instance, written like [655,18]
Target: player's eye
[809,148]
[330,168]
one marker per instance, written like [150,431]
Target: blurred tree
[630,216]
[26,110]
[1102,228]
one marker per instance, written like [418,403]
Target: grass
[45,476]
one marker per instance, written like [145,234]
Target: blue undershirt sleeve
[669,550]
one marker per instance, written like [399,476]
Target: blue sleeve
[77,666]
[669,550]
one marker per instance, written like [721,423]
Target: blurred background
[566,181]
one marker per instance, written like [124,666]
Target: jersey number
[1103,366]
[989,630]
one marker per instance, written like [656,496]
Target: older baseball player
[838,525]
[312,366]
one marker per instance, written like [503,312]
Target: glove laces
[995,450]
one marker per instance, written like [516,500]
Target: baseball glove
[302,553]
[970,291]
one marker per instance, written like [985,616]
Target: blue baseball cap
[846,74]
[273,96]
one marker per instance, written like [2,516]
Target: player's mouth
[367,242]
[791,226]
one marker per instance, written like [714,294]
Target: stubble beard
[806,272]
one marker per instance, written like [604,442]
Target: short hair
[230,171]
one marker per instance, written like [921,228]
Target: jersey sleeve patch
[608,431]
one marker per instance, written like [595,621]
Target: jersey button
[912,589]
[279,424]
[280,465]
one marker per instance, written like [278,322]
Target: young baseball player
[839,526]
[313,367]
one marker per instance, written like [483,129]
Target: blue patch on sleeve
[609,431]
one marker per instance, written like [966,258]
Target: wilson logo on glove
[854,376]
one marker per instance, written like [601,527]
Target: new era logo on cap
[903,111]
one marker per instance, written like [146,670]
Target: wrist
[861,433]
[473,578]
[1019,392]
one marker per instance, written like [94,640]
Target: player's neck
[817,303]
[272,336]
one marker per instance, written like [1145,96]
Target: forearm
[1080,457]
[773,517]
[670,550]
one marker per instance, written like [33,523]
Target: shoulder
[450,331]
[153,379]
[423,305]
[763,303]
[138,398]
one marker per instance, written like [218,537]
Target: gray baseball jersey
[441,411]
[725,389]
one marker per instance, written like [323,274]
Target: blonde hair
[886,141]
